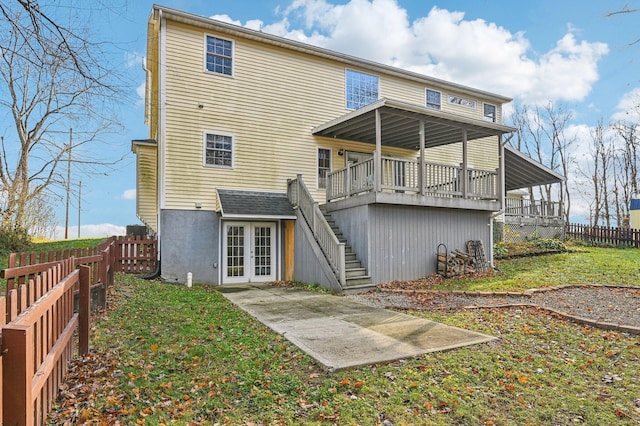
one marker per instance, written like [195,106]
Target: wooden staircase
[357,279]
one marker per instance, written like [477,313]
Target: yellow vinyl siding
[274,99]
[147,185]
[151,94]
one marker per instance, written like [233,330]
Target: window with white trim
[434,99]
[489,112]
[362,89]
[465,102]
[324,166]
[219,57]
[218,150]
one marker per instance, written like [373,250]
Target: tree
[541,134]
[52,78]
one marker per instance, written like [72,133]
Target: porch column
[465,173]
[377,156]
[421,167]
[500,192]
[289,249]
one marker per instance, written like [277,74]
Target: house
[272,159]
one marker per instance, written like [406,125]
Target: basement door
[249,250]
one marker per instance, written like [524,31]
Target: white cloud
[90,231]
[141,91]
[445,45]
[628,108]
[132,59]
[129,194]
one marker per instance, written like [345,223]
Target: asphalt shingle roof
[254,203]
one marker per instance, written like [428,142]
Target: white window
[465,102]
[218,150]
[324,166]
[219,56]
[490,113]
[362,89]
[434,99]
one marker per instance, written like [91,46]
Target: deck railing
[533,209]
[439,180]
[333,249]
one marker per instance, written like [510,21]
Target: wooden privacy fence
[604,234]
[37,341]
[48,296]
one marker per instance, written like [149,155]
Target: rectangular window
[362,89]
[459,100]
[218,150]
[219,57]
[490,113]
[434,99]
[324,166]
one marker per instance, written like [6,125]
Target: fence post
[85,309]
[18,369]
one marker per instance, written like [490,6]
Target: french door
[249,251]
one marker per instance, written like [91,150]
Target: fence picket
[603,234]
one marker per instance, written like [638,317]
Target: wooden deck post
[465,166]
[500,189]
[85,309]
[18,369]
[377,157]
[289,249]
[421,185]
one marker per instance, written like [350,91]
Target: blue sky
[565,51]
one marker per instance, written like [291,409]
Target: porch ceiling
[400,126]
[521,171]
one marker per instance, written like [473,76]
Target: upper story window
[324,166]
[459,100]
[362,89]
[434,99]
[218,150]
[489,113]
[219,57]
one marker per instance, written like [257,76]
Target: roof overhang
[521,171]
[241,204]
[400,126]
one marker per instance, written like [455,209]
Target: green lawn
[53,246]
[587,266]
[171,355]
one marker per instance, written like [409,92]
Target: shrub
[550,244]
[499,250]
[13,240]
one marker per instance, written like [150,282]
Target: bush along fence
[604,235]
[49,296]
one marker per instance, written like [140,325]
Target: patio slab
[339,333]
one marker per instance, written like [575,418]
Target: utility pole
[79,199]
[66,218]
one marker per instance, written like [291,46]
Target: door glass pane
[262,251]
[235,251]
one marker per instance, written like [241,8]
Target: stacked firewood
[456,263]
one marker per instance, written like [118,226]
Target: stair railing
[333,249]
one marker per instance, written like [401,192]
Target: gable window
[465,102]
[362,89]
[218,150]
[219,57]
[324,166]
[490,113]
[434,99]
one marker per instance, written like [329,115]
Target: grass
[171,355]
[166,354]
[587,266]
[52,246]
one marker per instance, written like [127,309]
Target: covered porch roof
[521,171]
[400,125]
